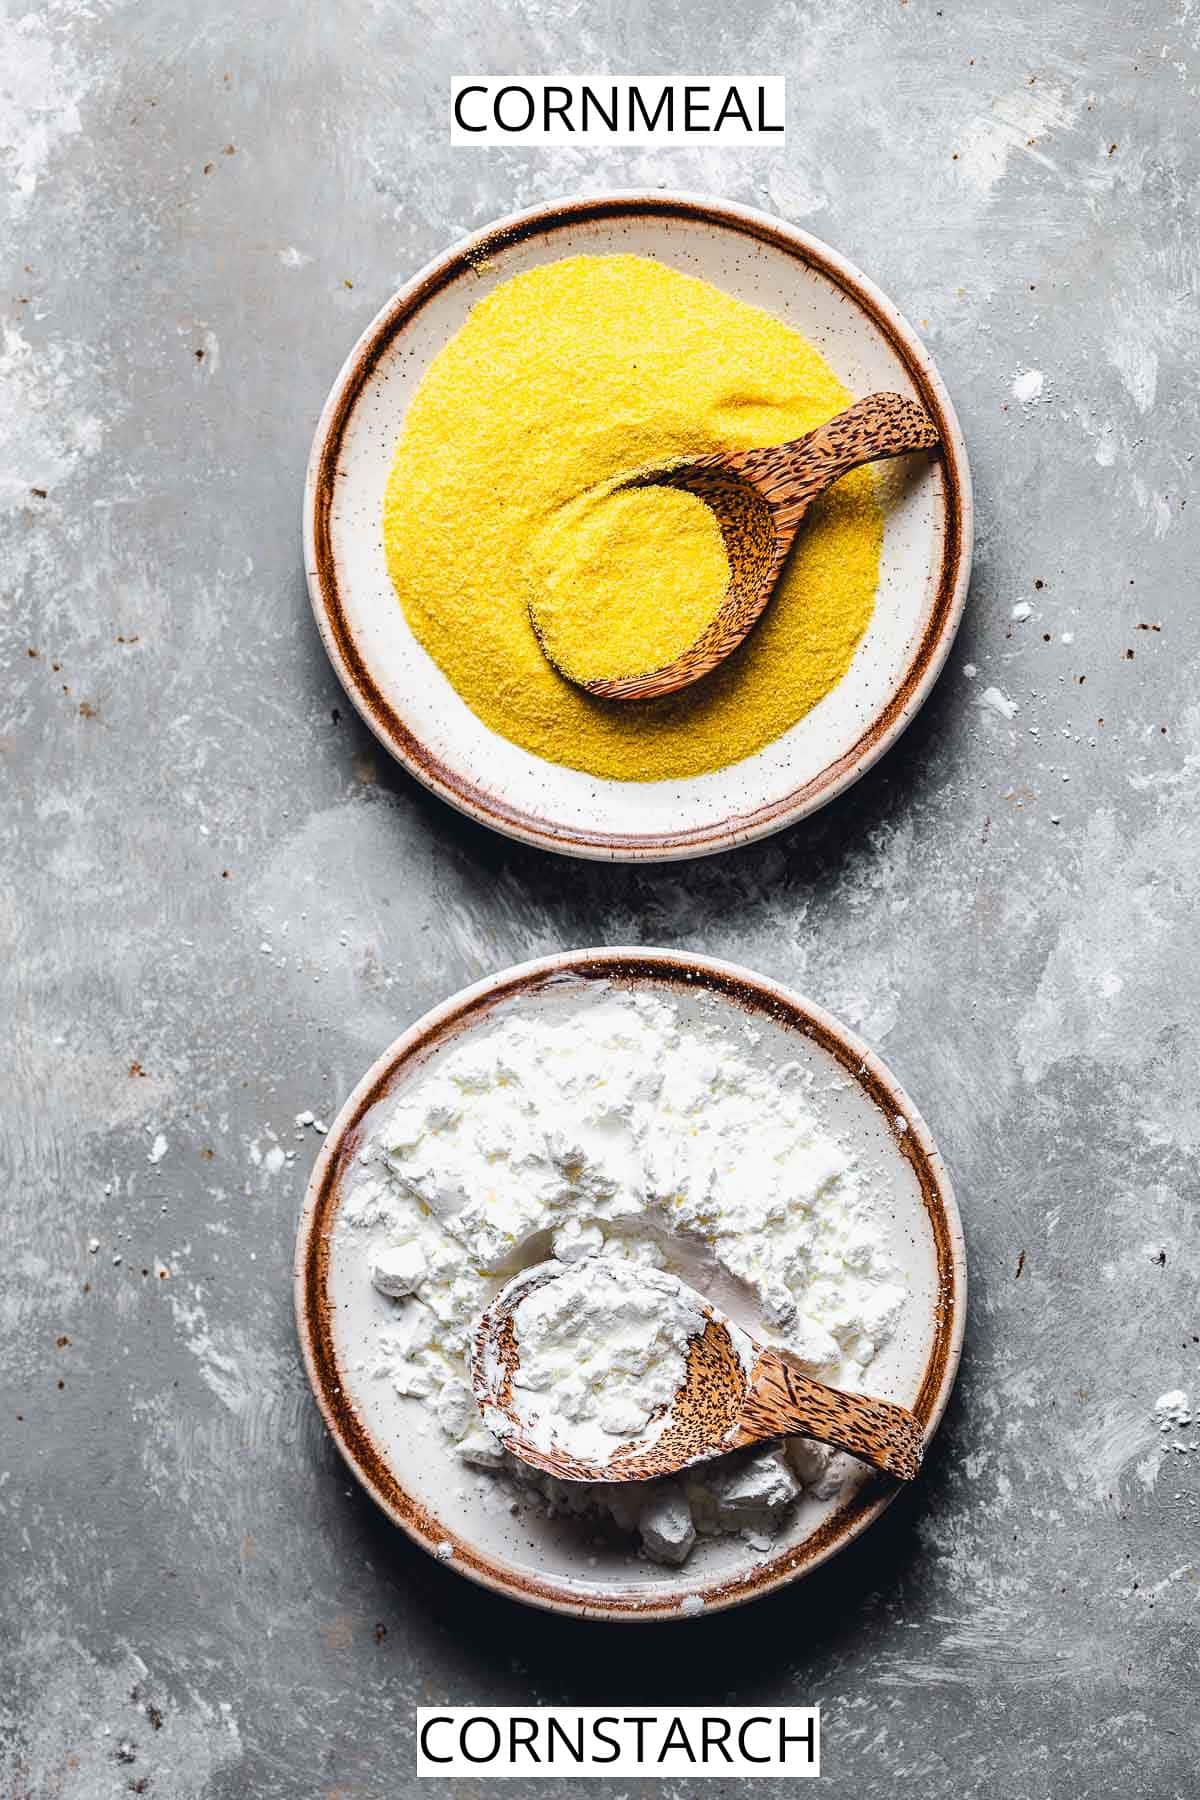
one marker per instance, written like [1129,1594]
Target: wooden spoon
[736,1392]
[760,498]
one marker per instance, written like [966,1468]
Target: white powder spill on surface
[1130,918]
[206,359]
[1133,355]
[1028,385]
[1173,1408]
[1106,1442]
[993,700]
[1019,123]
[96,1727]
[41,87]
[1105,453]
[42,439]
[248,1375]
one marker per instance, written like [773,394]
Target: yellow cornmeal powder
[625,581]
[562,382]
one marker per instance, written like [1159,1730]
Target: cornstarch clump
[505,488]
[601,1353]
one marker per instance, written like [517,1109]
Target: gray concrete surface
[201,208]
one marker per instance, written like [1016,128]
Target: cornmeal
[561,383]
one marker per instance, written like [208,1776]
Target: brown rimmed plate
[397,1451]
[407,701]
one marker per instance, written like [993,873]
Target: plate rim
[885,725]
[353,1439]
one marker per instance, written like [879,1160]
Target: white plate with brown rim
[411,706]
[477,1522]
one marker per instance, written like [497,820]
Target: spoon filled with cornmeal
[605,549]
[608,1370]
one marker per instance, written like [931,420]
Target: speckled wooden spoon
[760,498]
[736,1392]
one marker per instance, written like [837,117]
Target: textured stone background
[201,208]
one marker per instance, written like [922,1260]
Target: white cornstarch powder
[618,1129]
[603,1350]
[1173,1409]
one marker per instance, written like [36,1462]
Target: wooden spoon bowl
[735,1393]
[760,498]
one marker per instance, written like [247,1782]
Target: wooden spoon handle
[878,426]
[782,1400]
[790,476]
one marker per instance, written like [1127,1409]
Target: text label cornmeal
[563,381]
[616,110]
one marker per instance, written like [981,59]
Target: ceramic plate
[474,1520]
[408,702]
